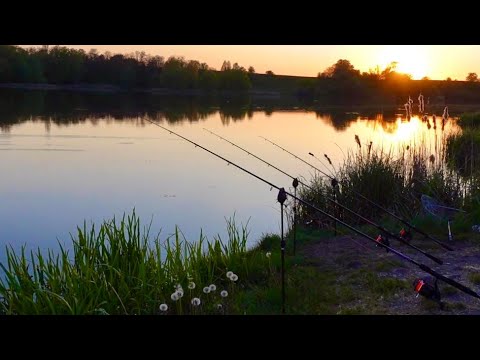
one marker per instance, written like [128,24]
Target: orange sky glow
[434,61]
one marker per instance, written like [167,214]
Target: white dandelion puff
[229,274]
[163,307]
[219,306]
[224,293]
[234,277]
[212,287]
[191,285]
[178,287]
[206,289]
[174,296]
[196,301]
[268,254]
[180,293]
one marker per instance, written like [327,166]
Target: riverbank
[328,275]
[367,280]
[106,88]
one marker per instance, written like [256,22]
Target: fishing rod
[381,244]
[334,201]
[365,198]
[258,158]
[395,216]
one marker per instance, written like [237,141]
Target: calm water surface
[59,168]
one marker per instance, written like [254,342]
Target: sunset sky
[435,61]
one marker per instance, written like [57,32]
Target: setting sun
[411,59]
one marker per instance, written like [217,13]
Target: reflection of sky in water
[54,178]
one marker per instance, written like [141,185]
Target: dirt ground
[350,255]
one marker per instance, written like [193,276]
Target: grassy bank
[120,269]
[117,270]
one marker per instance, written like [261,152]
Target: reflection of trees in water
[72,108]
[69,108]
[63,108]
[341,120]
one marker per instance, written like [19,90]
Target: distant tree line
[62,65]
[340,83]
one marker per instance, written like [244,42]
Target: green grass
[449,290]
[429,305]
[474,278]
[384,286]
[118,269]
[384,266]
[469,120]
[457,306]
[463,151]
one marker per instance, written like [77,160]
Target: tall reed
[395,179]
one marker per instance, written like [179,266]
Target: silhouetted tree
[341,69]
[472,77]
[389,71]
[226,66]
[251,69]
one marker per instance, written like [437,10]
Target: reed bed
[393,178]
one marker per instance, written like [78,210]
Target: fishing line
[336,203]
[381,244]
[368,200]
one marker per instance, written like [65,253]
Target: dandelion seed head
[212,287]
[224,293]
[206,289]
[191,285]
[179,293]
[229,274]
[219,306]
[196,301]
[268,254]
[234,277]
[163,307]
[174,296]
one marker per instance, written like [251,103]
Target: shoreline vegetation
[106,88]
[53,68]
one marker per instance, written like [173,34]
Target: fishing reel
[382,240]
[406,235]
[426,289]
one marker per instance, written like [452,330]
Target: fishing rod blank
[257,157]
[363,197]
[334,201]
[359,232]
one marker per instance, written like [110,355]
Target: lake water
[66,158]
